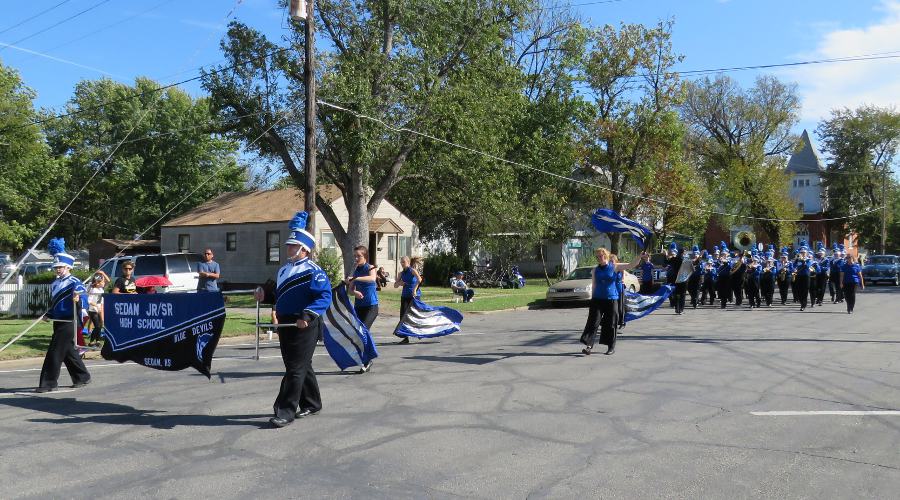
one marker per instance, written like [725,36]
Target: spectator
[381,278]
[459,286]
[125,283]
[208,271]
[95,305]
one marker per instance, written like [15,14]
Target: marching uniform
[693,284]
[753,273]
[822,279]
[737,279]
[723,279]
[674,263]
[835,285]
[302,291]
[785,277]
[709,282]
[804,267]
[68,304]
[646,278]
[604,308]
[767,281]
[366,307]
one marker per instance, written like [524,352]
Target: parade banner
[424,321]
[637,306]
[608,221]
[346,338]
[685,271]
[165,331]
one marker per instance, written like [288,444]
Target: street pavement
[507,408]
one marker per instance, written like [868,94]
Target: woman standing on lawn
[362,286]
[409,279]
[604,302]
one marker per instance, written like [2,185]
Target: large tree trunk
[615,240]
[463,237]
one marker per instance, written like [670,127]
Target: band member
[738,268]
[708,286]
[604,302]
[675,258]
[851,277]
[693,284]
[410,280]
[362,287]
[302,295]
[646,269]
[723,277]
[835,285]
[753,275]
[822,278]
[767,281]
[785,275]
[68,305]
[804,268]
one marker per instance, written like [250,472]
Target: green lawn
[34,343]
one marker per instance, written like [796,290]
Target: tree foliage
[170,151]
[741,139]
[31,182]
[861,147]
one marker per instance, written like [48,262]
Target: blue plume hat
[673,247]
[299,235]
[803,247]
[695,249]
[57,248]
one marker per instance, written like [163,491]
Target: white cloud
[824,87]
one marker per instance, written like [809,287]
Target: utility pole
[884,210]
[302,10]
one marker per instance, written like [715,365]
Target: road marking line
[828,412]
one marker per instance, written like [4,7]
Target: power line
[39,14]
[48,28]
[111,25]
[570,179]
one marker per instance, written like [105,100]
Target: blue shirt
[803,266]
[208,284]
[61,304]
[851,273]
[605,282]
[409,283]
[646,271]
[303,290]
[367,288]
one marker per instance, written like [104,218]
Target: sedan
[882,268]
[577,286]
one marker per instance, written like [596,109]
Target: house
[806,171]
[247,230]
[103,249]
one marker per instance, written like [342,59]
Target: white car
[179,268]
[576,287]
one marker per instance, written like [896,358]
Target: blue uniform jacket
[303,290]
[61,291]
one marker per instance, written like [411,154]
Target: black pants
[62,350]
[646,288]
[753,292]
[96,325]
[850,295]
[724,290]
[767,289]
[821,284]
[404,308]
[602,314]
[737,288]
[367,314]
[467,294]
[801,289]
[813,290]
[708,289]
[835,284]
[783,287]
[693,287]
[679,295]
[299,388]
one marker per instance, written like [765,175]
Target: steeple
[806,160]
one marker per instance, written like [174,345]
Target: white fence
[24,300]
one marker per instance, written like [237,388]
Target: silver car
[576,287]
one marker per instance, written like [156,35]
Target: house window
[392,247]
[405,247]
[807,182]
[184,243]
[230,242]
[273,247]
[328,240]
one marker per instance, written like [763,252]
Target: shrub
[438,268]
[49,276]
[331,263]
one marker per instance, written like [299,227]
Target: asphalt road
[508,408]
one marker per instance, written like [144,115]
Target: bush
[48,277]
[329,261]
[438,268]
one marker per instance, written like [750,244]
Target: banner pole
[75,319]
[257,330]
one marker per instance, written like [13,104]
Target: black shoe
[404,341]
[306,412]
[279,422]
[610,351]
[586,351]
[45,389]
[77,385]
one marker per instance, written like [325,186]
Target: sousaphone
[743,240]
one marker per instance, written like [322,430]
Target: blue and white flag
[424,321]
[165,331]
[637,306]
[607,221]
[346,338]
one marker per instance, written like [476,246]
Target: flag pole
[257,330]
[75,319]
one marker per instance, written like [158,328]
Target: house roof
[387,226]
[120,244]
[806,160]
[274,205]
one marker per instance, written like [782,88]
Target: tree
[630,128]
[741,140]
[171,150]
[31,182]
[861,147]
[410,65]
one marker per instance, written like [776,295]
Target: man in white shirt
[459,286]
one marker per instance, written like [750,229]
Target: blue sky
[169,39]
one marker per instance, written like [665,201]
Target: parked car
[6,265]
[882,268]
[179,268]
[576,287]
[32,268]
